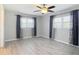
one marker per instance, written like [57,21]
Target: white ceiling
[29,8]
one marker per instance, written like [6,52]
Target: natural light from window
[27,22]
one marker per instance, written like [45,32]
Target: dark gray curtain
[50,26]
[75,30]
[18,29]
[35,27]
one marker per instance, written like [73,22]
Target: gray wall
[10,24]
[65,33]
[39,26]
[2,12]
[45,26]
[42,23]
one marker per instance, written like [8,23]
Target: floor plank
[38,46]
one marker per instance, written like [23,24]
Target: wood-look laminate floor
[38,46]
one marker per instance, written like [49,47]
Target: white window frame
[62,22]
[27,23]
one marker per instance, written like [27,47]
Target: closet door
[27,26]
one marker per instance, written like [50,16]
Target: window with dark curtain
[35,27]
[50,25]
[18,30]
[74,15]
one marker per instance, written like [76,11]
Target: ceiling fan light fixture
[44,10]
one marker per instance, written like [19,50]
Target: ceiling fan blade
[37,11]
[50,11]
[39,7]
[51,7]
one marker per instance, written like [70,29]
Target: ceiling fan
[44,9]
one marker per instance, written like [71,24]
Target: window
[57,23]
[62,22]
[27,22]
[66,22]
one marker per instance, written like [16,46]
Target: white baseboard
[27,37]
[45,37]
[62,41]
[37,36]
[17,39]
[10,40]
[67,43]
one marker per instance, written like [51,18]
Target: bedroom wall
[42,23]
[39,26]
[1,25]
[45,26]
[10,24]
[59,32]
[46,19]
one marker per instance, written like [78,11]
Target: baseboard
[27,37]
[45,37]
[17,39]
[67,43]
[61,41]
[10,40]
[37,36]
